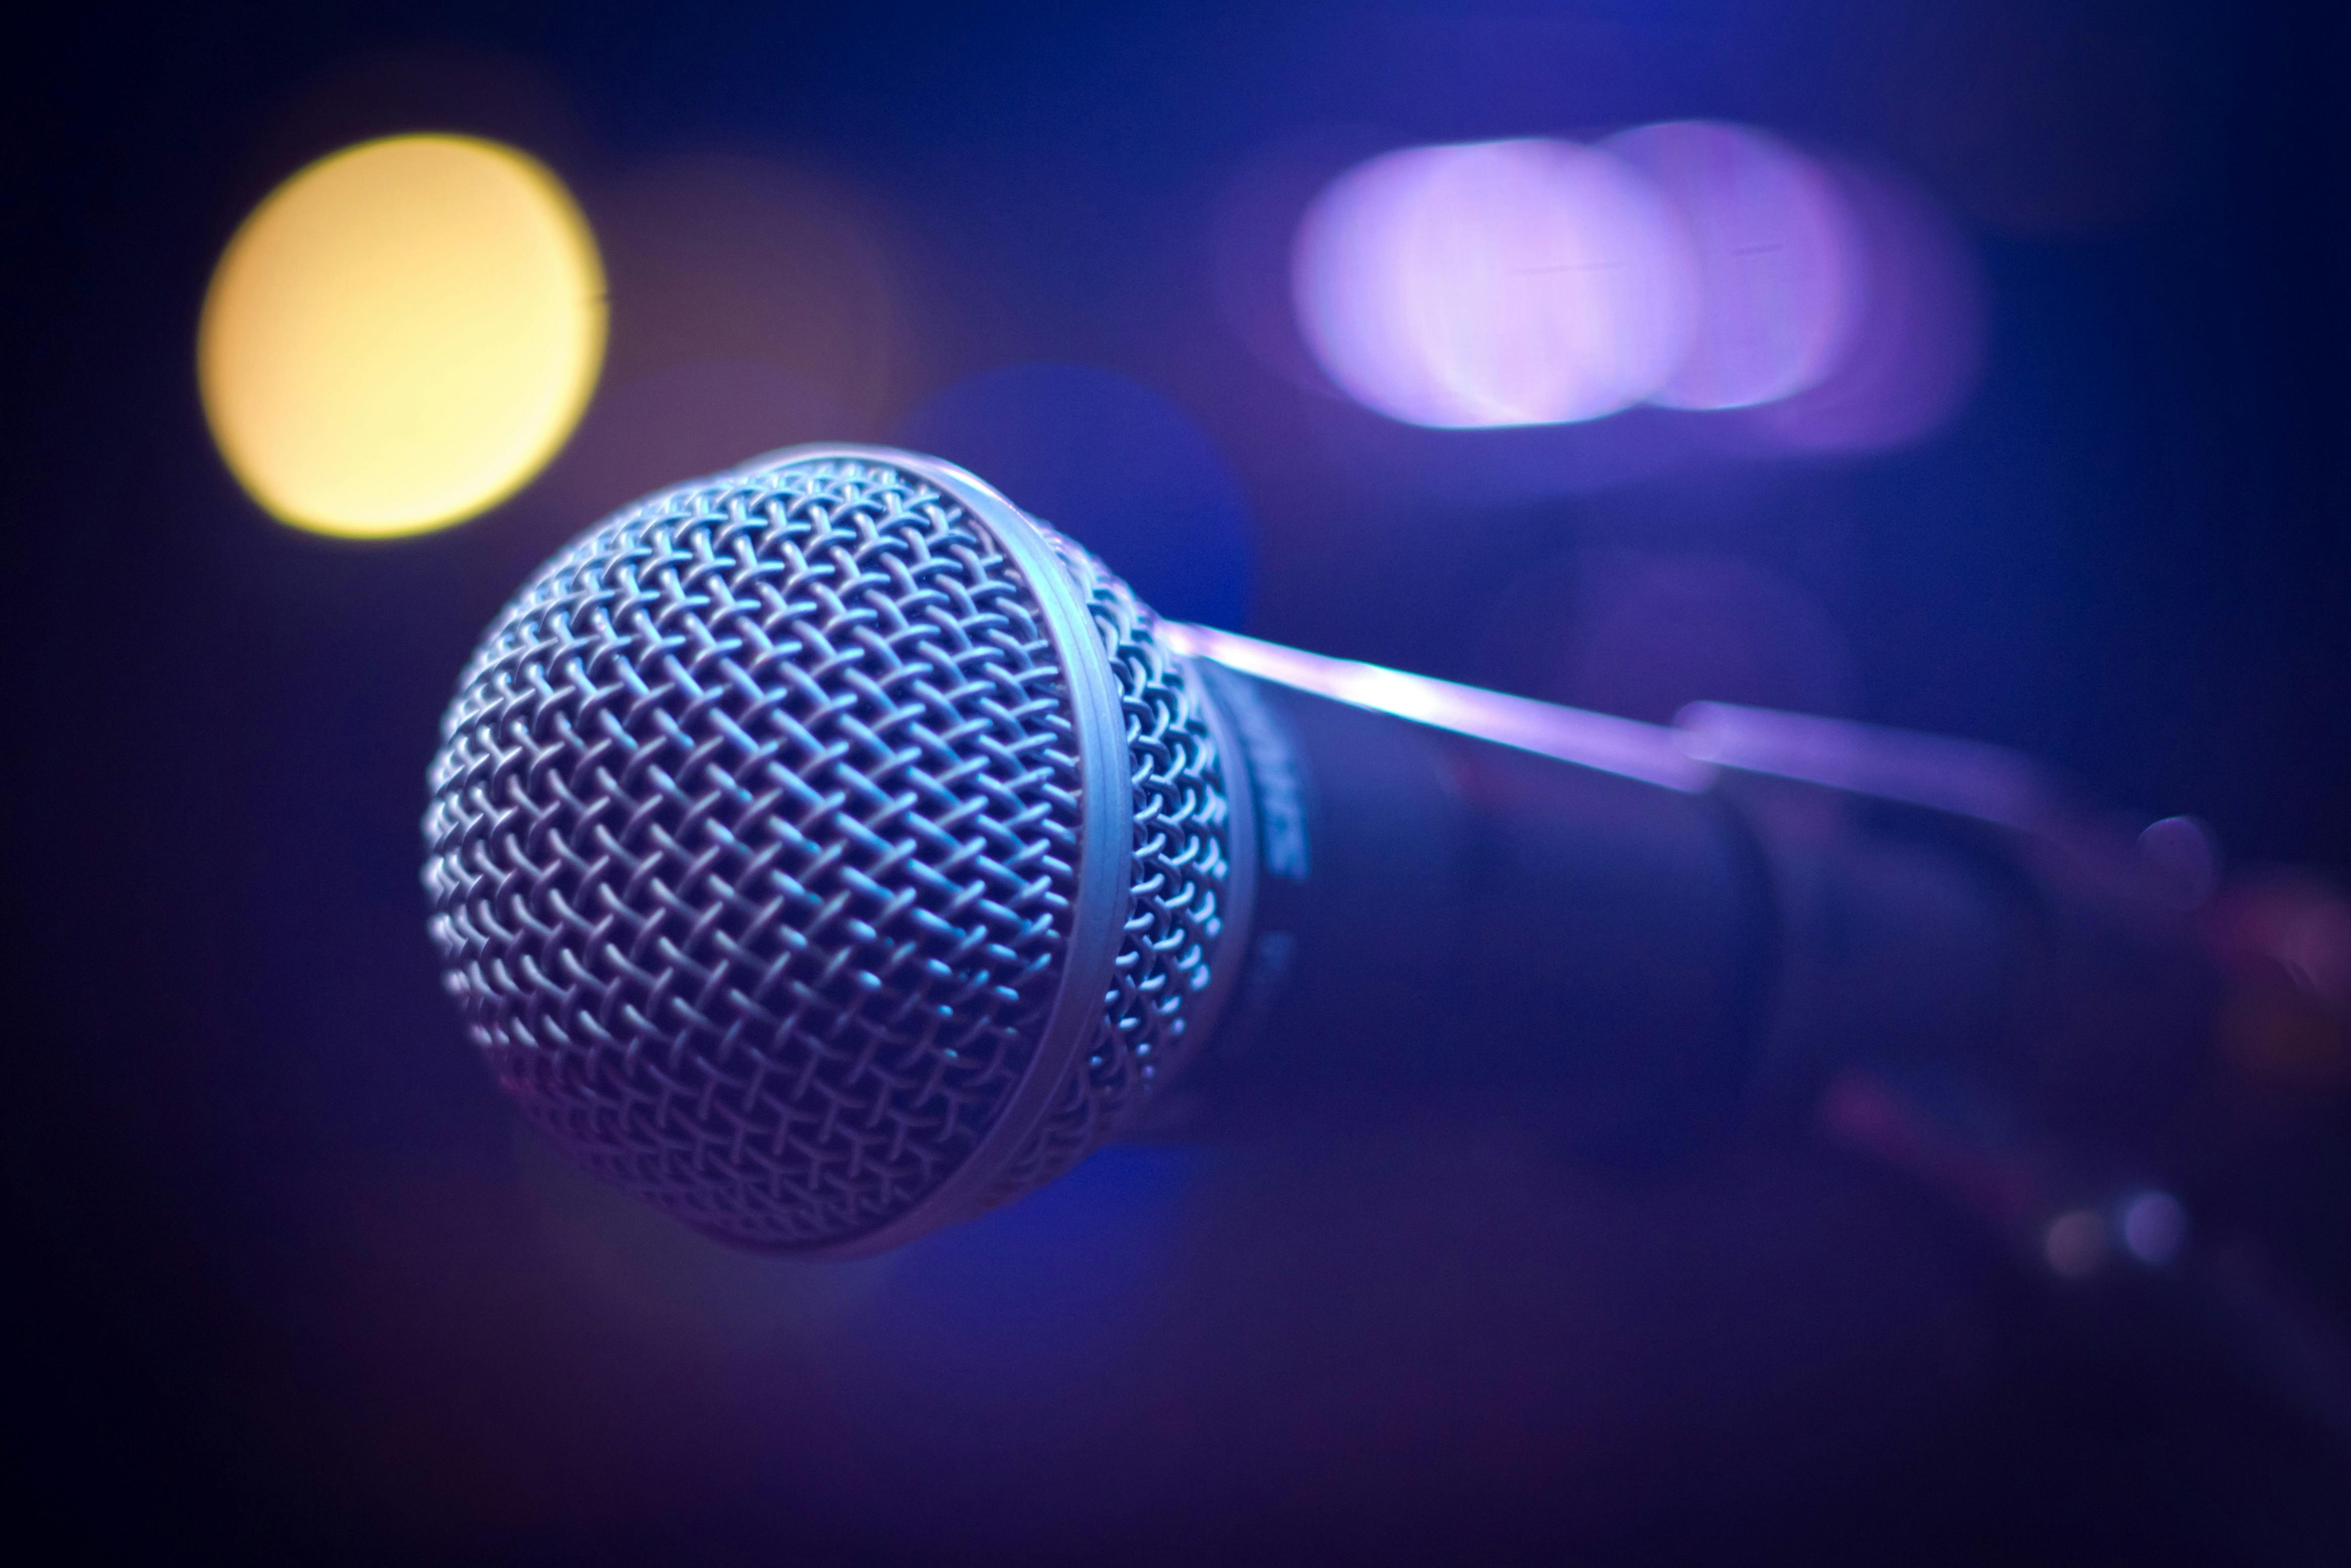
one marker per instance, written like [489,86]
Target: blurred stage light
[402,335]
[1778,264]
[1498,283]
[2075,1243]
[1915,344]
[2154,1226]
[1693,265]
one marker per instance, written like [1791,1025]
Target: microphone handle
[1642,949]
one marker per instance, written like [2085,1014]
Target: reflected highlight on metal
[1942,773]
[1778,264]
[1625,746]
[1501,283]
[402,335]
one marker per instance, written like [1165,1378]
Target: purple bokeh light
[1694,264]
[1498,283]
[1916,342]
[1780,267]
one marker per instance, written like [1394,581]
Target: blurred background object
[1498,283]
[1780,278]
[1970,368]
[402,335]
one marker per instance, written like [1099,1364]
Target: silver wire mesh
[751,847]
[1182,866]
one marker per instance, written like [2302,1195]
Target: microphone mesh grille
[1182,868]
[751,851]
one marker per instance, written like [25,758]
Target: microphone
[826,851]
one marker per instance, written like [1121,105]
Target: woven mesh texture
[750,852]
[1176,911]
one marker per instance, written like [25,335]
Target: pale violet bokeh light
[1915,345]
[1498,283]
[2154,1226]
[1779,262]
[2075,1243]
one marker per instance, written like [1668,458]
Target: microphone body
[827,851]
[1640,961]
[1451,919]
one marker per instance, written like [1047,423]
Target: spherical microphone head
[826,850]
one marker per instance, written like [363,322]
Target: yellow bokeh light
[402,335]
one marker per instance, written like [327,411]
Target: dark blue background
[293,1283]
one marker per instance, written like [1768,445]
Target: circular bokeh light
[1500,283]
[402,335]
[1916,344]
[1778,268]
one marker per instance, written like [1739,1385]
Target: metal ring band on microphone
[1229,961]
